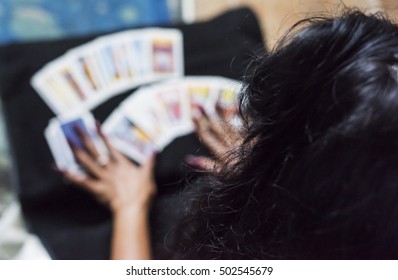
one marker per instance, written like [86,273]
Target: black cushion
[69,221]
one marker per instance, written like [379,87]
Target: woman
[315,174]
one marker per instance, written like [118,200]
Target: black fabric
[72,224]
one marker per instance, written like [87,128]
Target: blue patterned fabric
[22,20]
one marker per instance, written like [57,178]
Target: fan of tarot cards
[88,75]
[146,121]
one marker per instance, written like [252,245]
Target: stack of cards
[149,119]
[63,131]
[152,117]
[88,75]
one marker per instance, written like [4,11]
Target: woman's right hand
[218,135]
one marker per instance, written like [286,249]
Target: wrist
[133,203]
[130,209]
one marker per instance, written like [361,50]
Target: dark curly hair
[317,175]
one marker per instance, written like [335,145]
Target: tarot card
[121,49]
[127,41]
[69,129]
[166,52]
[63,67]
[228,96]
[60,149]
[117,60]
[66,133]
[85,123]
[202,93]
[55,84]
[112,61]
[87,66]
[228,100]
[139,57]
[176,105]
[147,113]
[128,138]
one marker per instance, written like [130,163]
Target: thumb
[200,162]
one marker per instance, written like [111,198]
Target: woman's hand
[218,135]
[114,180]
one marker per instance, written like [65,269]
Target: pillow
[69,221]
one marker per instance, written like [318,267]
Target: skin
[127,189]
[219,136]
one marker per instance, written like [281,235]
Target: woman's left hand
[114,180]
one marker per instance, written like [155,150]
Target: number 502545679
[238,270]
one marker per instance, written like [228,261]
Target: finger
[214,126]
[88,163]
[200,162]
[230,130]
[113,153]
[217,129]
[209,139]
[88,144]
[232,135]
[221,111]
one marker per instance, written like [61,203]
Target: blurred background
[22,20]
[37,20]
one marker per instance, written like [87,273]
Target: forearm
[131,237]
